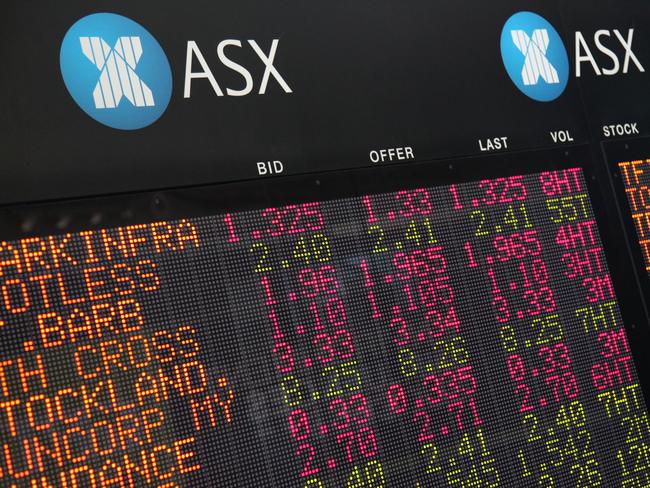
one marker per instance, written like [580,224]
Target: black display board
[366,77]
[385,265]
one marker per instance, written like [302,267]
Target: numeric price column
[612,374]
[328,416]
[536,244]
[410,294]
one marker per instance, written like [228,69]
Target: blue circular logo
[116,71]
[534,56]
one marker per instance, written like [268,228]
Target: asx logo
[537,62]
[534,56]
[118,73]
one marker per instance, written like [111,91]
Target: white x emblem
[534,49]
[118,76]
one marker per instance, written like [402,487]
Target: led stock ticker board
[635,176]
[464,335]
